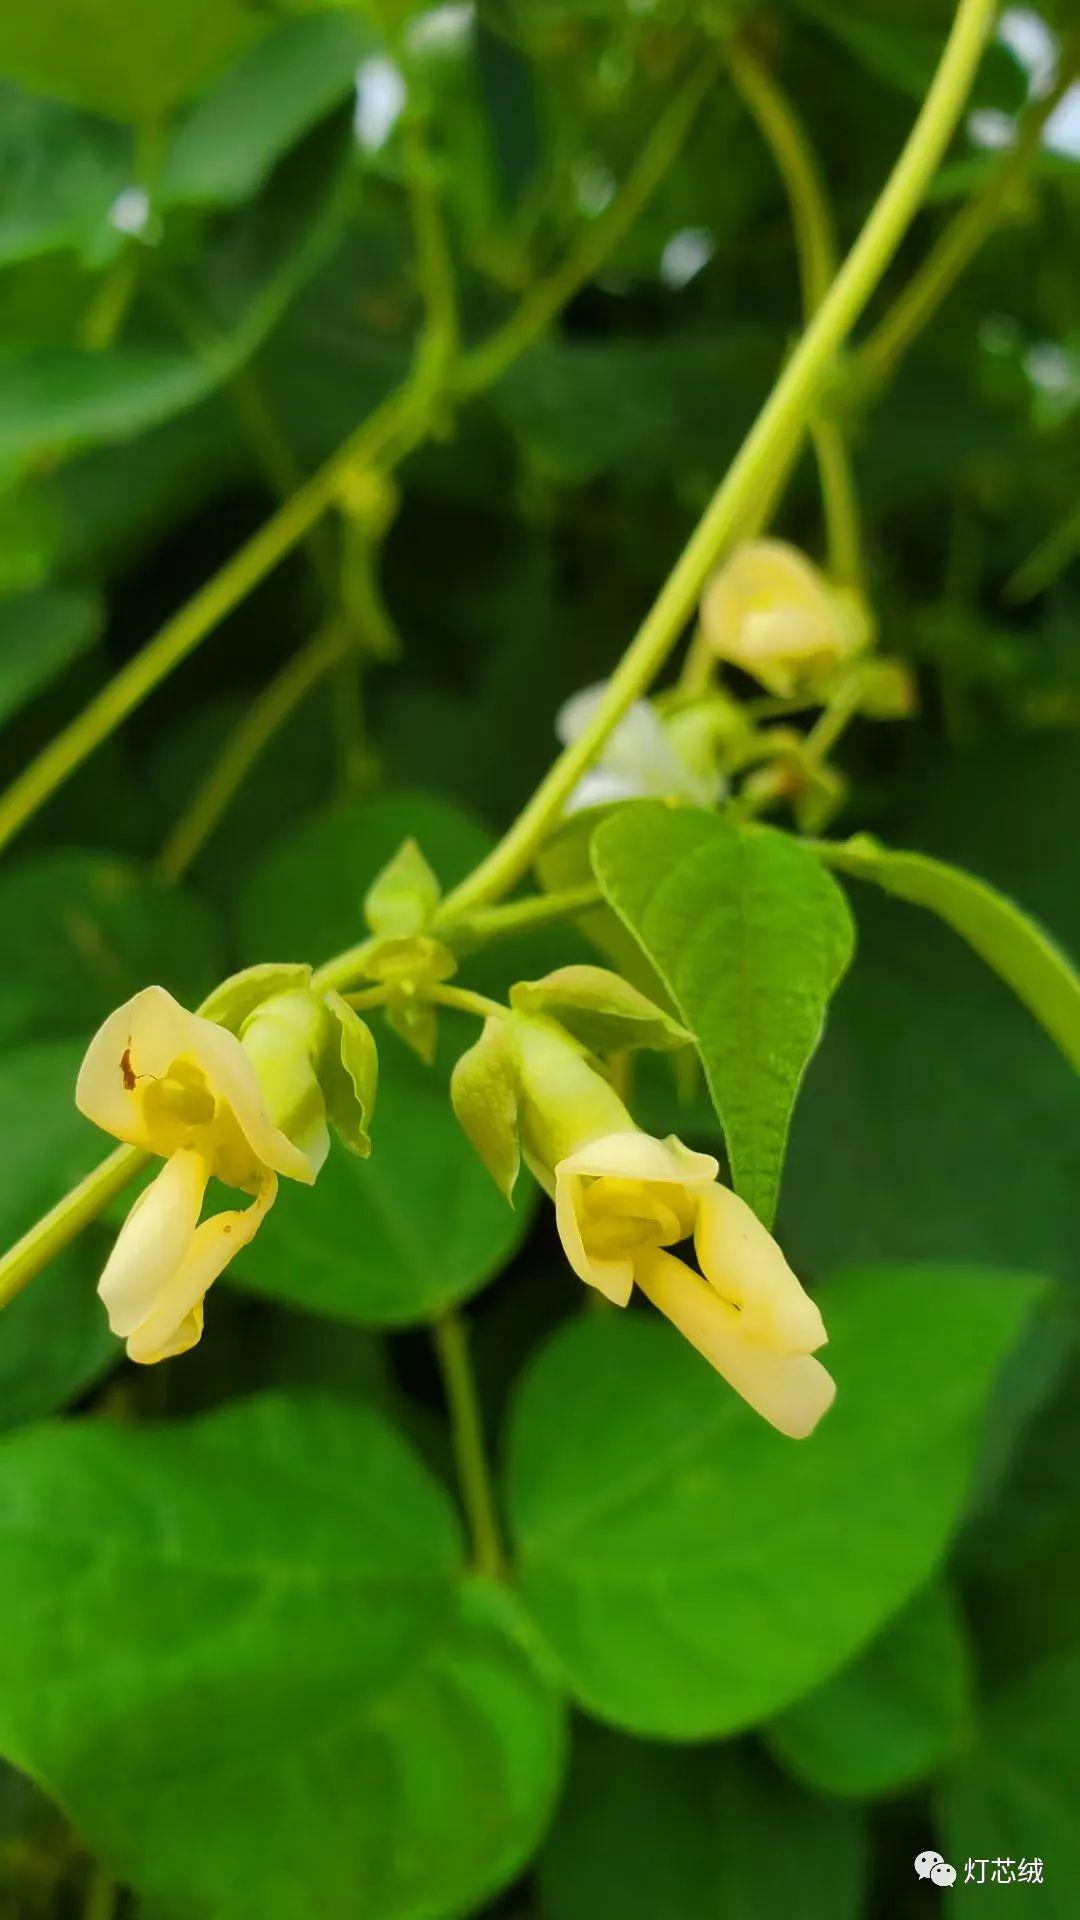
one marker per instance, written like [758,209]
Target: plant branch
[768,451]
[881,352]
[488,362]
[246,742]
[452,1347]
[69,1216]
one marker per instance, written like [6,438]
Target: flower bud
[770,611]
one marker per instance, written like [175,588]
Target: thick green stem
[517,916]
[768,450]
[452,1347]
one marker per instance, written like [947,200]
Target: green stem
[388,433]
[464,1000]
[434,261]
[518,916]
[69,1216]
[881,352]
[1049,559]
[247,741]
[102,1895]
[466,1429]
[488,362]
[815,245]
[768,450]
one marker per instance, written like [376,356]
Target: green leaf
[710,1835]
[40,635]
[54,1337]
[750,944]
[693,1571]
[601,1010]
[81,932]
[950,1122]
[259,1615]
[62,171]
[1014,1795]
[122,57]
[58,398]
[893,1716]
[1002,934]
[223,146]
[391,1240]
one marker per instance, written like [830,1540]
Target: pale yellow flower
[622,1200]
[770,611]
[183,1088]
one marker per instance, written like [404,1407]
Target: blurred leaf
[717,1834]
[694,1571]
[1014,1795]
[61,171]
[81,932]
[893,1716]
[54,1336]
[41,634]
[122,57]
[749,944]
[1001,933]
[392,1240]
[59,398]
[582,409]
[222,147]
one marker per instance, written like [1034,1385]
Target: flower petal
[613,1278]
[140,1041]
[790,1390]
[632,1155]
[175,1321]
[742,1261]
[153,1241]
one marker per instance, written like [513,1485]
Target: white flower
[639,759]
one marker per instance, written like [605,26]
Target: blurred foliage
[240,1655]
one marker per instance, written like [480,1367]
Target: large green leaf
[234,1651]
[1013,1797]
[80,932]
[938,1123]
[399,1237]
[62,171]
[41,634]
[709,1835]
[695,1572]
[54,1337]
[750,944]
[224,144]
[57,397]
[1002,934]
[891,1717]
[122,57]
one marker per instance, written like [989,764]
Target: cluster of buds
[533,1088]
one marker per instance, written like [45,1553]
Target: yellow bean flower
[623,1199]
[770,611]
[182,1087]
